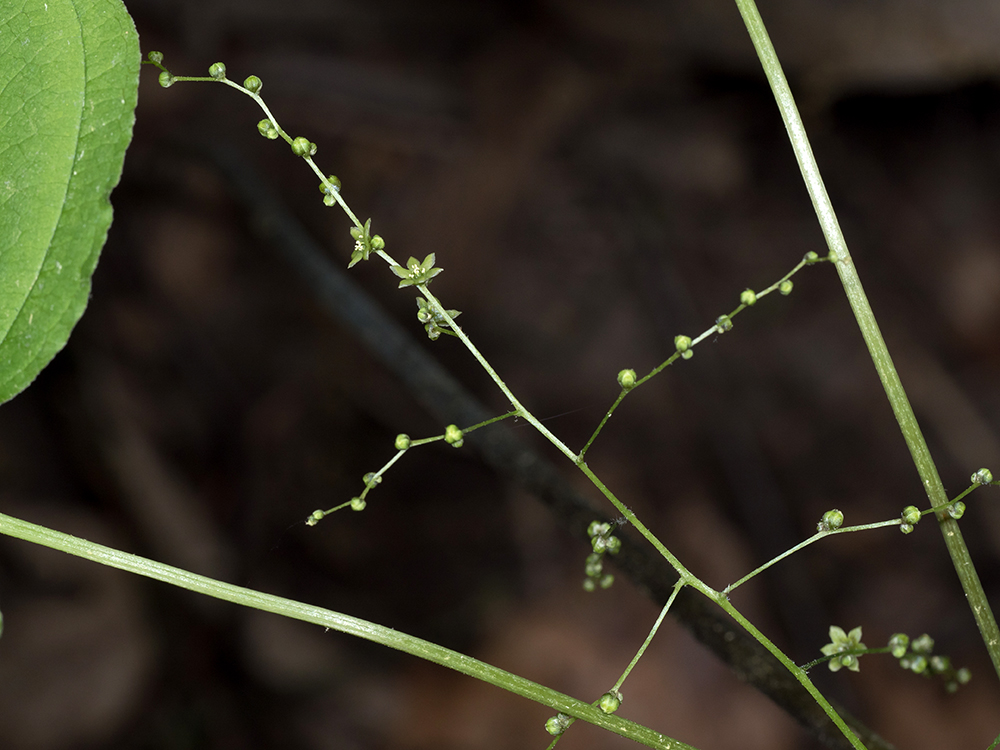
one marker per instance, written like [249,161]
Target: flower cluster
[602,542]
[918,657]
[433,320]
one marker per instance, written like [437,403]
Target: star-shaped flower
[844,648]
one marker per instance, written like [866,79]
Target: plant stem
[870,331]
[336,621]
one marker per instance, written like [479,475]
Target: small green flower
[362,243]
[785,287]
[417,272]
[843,648]
[748,297]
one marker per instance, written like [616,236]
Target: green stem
[336,621]
[797,672]
[870,331]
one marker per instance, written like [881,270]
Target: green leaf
[69,78]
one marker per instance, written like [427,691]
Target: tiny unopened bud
[898,644]
[598,528]
[155,57]
[453,436]
[723,323]
[683,343]
[610,702]
[358,503]
[963,676]
[589,585]
[557,724]
[253,84]
[402,441]
[303,147]
[810,257]
[785,287]
[607,581]
[832,519]
[956,510]
[614,545]
[371,479]
[315,517]
[906,528]
[687,354]
[911,515]
[627,379]
[378,243]
[166,79]
[983,476]
[922,645]
[748,297]
[599,544]
[217,71]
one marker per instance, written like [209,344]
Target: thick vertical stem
[870,331]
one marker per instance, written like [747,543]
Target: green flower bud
[266,128]
[598,528]
[940,664]
[956,510]
[911,515]
[922,645]
[558,724]
[599,543]
[607,581]
[723,323]
[614,545]
[594,565]
[810,257]
[983,476]
[253,84]
[785,287]
[682,343]
[402,441]
[371,479]
[378,243]
[166,79]
[589,585]
[917,665]
[898,644]
[357,503]
[155,57]
[303,147]
[610,702]
[627,379]
[334,185]
[217,71]
[963,676]
[687,354]
[906,528]
[315,517]
[748,297]
[832,519]
[453,436]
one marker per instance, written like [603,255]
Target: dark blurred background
[596,177]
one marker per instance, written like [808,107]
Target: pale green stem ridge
[336,621]
[870,331]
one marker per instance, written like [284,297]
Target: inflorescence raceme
[844,649]
[916,655]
